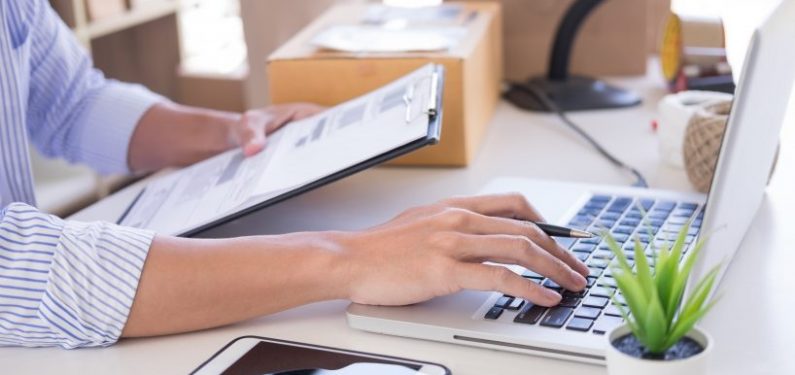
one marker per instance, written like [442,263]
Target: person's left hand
[251,131]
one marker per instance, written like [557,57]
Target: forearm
[171,135]
[190,284]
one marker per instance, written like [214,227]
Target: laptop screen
[750,142]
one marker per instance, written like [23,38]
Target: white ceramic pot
[619,363]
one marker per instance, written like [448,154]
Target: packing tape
[692,41]
[675,111]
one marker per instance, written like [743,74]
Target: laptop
[576,329]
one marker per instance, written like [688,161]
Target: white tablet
[263,356]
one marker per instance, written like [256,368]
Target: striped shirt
[62,283]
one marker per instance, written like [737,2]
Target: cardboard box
[612,41]
[224,92]
[297,71]
[658,13]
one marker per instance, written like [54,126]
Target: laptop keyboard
[591,310]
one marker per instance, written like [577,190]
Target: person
[73,284]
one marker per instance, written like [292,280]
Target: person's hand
[440,249]
[251,131]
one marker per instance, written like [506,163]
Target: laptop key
[666,205]
[630,222]
[678,220]
[503,301]
[556,316]
[532,274]
[600,198]
[592,301]
[590,241]
[583,247]
[515,304]
[612,310]
[646,204]
[530,314]
[569,293]
[621,238]
[688,206]
[634,215]
[551,284]
[494,313]
[607,281]
[602,291]
[598,263]
[595,272]
[682,213]
[660,215]
[619,205]
[581,256]
[603,254]
[565,242]
[580,324]
[605,223]
[587,312]
[606,323]
[569,301]
[623,229]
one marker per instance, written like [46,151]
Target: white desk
[753,323]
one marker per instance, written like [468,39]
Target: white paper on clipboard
[300,153]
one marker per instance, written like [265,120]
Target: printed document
[300,153]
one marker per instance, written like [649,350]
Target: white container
[619,363]
[675,111]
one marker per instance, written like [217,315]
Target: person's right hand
[440,249]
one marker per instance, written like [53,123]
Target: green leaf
[643,271]
[683,326]
[678,287]
[700,293]
[668,273]
[633,295]
[615,248]
[655,325]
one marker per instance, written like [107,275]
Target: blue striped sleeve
[74,112]
[65,283]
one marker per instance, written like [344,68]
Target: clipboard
[413,108]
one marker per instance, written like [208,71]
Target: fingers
[496,225]
[497,278]
[512,205]
[473,223]
[279,119]
[252,129]
[516,250]
[291,112]
[255,125]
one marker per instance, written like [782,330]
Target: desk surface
[752,325]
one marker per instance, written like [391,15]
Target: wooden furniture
[141,44]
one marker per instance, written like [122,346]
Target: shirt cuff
[93,282]
[110,123]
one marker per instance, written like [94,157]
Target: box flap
[299,46]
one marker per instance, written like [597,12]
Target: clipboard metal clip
[409,97]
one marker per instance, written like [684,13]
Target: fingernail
[551,296]
[578,279]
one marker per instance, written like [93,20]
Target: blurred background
[213,53]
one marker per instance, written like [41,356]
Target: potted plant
[659,334]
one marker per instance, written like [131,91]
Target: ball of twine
[702,142]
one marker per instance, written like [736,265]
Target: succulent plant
[656,311]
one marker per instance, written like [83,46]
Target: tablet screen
[269,358]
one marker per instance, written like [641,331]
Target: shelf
[132,17]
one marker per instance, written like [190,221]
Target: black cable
[545,101]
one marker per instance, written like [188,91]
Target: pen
[557,231]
